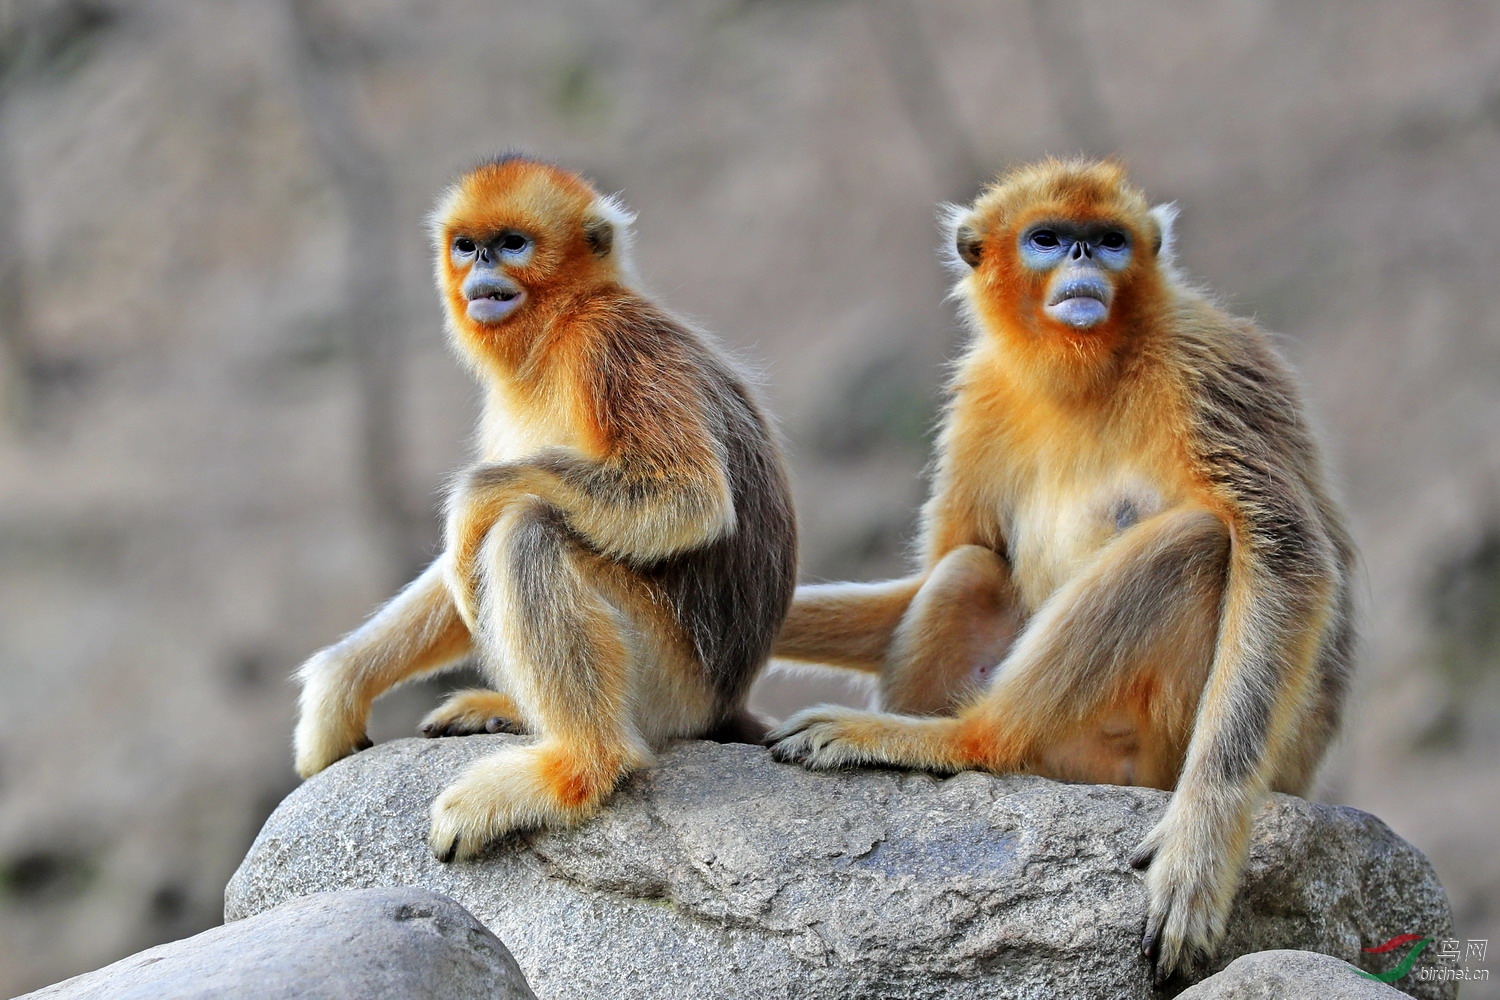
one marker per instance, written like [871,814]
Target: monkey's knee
[957,629]
[522,564]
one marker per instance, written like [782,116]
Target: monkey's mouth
[1080,303]
[492,300]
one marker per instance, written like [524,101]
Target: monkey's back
[730,595]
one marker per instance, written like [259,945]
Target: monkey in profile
[1132,569]
[621,555]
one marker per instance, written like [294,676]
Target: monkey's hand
[476,710]
[329,725]
[831,737]
[1190,881]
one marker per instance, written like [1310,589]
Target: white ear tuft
[612,210]
[441,211]
[949,218]
[1165,216]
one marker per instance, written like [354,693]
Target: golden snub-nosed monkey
[1132,568]
[620,556]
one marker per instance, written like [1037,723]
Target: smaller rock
[1290,975]
[358,943]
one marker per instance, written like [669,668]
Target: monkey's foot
[318,745]
[828,737]
[523,788]
[476,710]
[329,728]
[1188,891]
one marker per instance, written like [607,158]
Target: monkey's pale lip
[1082,288]
[496,305]
[1080,303]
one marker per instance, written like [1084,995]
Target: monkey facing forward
[621,556]
[1132,569]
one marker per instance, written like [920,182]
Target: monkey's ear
[965,248]
[599,234]
[1165,217]
[968,245]
[606,228]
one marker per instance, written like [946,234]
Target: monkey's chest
[1055,531]
[516,435]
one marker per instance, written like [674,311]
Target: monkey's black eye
[1113,241]
[464,245]
[514,243]
[1044,239]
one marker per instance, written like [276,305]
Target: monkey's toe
[468,713]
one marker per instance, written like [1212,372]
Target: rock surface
[363,944]
[720,873]
[1289,975]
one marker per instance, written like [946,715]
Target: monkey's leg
[846,625]
[1078,654]
[416,633]
[476,710]
[567,657]
[955,630]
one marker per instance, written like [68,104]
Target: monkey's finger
[1151,942]
[789,751]
[1142,857]
[1151,946]
[446,857]
[363,743]
[500,724]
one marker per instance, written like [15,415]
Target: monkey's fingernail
[363,743]
[1151,943]
[430,729]
[494,724]
[1141,860]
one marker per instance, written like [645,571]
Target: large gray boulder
[399,943]
[720,873]
[1289,975]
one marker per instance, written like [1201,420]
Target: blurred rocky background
[227,404]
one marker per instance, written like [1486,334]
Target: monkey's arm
[846,625]
[633,507]
[898,628]
[417,632]
[1279,601]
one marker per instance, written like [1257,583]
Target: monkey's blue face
[1083,260]
[492,295]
